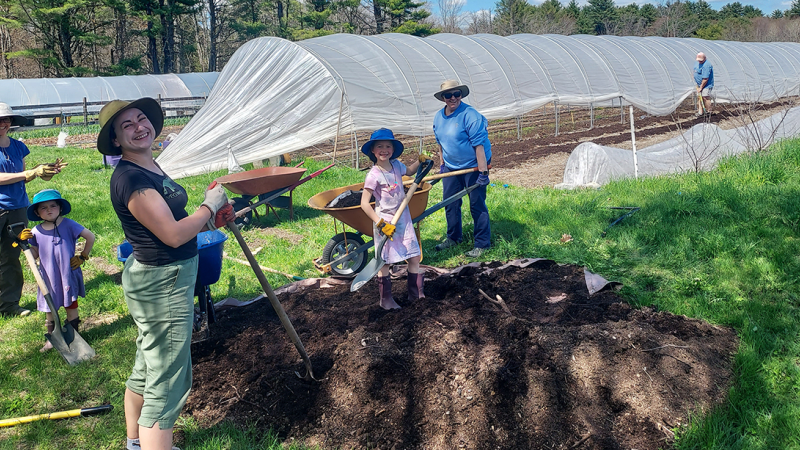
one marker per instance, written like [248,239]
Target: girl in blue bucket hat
[385,182]
[53,242]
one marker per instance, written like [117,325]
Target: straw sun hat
[112,109]
[16,119]
[450,85]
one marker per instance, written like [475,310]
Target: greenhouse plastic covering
[276,96]
[27,95]
[699,148]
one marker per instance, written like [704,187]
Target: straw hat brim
[462,87]
[147,105]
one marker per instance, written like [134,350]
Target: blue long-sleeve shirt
[459,134]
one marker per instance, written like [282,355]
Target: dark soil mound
[457,371]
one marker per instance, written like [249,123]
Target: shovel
[374,266]
[66,340]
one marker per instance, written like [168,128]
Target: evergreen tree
[597,16]
[512,16]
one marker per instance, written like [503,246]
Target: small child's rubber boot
[51,326]
[385,290]
[76,322]
[415,290]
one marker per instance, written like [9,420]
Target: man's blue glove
[483,180]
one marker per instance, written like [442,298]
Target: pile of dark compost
[563,369]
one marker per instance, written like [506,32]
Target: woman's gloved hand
[77,260]
[224,216]
[215,198]
[44,171]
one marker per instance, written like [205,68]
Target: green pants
[161,302]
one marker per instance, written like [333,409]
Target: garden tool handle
[446,174]
[273,299]
[423,170]
[26,248]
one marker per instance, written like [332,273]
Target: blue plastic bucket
[209,252]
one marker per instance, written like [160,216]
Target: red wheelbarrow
[268,184]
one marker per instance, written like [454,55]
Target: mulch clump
[560,369]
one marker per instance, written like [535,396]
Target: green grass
[722,246]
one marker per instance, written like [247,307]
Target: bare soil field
[559,369]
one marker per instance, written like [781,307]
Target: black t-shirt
[147,248]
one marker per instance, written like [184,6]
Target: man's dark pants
[477,207]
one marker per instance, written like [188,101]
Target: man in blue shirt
[463,137]
[704,79]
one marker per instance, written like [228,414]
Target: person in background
[158,278]
[463,137]
[13,202]
[53,242]
[704,79]
[385,182]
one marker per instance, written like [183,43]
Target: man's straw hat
[112,109]
[450,85]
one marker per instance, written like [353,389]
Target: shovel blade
[370,270]
[70,345]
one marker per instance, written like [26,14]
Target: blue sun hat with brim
[384,134]
[44,196]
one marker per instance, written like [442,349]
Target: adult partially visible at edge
[159,276]
[463,137]
[13,206]
[704,79]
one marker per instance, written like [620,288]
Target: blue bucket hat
[384,134]
[44,196]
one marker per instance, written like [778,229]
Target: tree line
[63,38]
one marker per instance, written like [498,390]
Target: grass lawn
[722,246]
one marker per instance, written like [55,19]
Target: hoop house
[27,96]
[276,96]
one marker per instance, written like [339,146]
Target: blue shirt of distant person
[463,137]
[703,71]
[704,79]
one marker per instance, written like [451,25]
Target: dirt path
[455,371]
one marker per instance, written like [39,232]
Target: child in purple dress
[53,242]
[385,182]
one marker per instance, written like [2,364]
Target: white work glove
[215,199]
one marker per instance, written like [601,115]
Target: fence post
[555,106]
[591,116]
[519,137]
[621,111]
[85,113]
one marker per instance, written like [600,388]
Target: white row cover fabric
[21,94]
[699,148]
[276,96]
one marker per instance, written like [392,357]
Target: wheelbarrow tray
[261,181]
[354,216]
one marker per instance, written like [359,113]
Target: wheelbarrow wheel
[340,245]
[240,203]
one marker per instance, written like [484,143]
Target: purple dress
[56,248]
[387,187]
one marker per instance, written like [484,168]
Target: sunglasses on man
[449,95]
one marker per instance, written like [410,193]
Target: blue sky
[767,6]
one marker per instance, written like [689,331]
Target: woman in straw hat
[463,137]
[13,205]
[159,276]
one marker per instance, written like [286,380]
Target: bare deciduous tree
[450,15]
[480,22]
